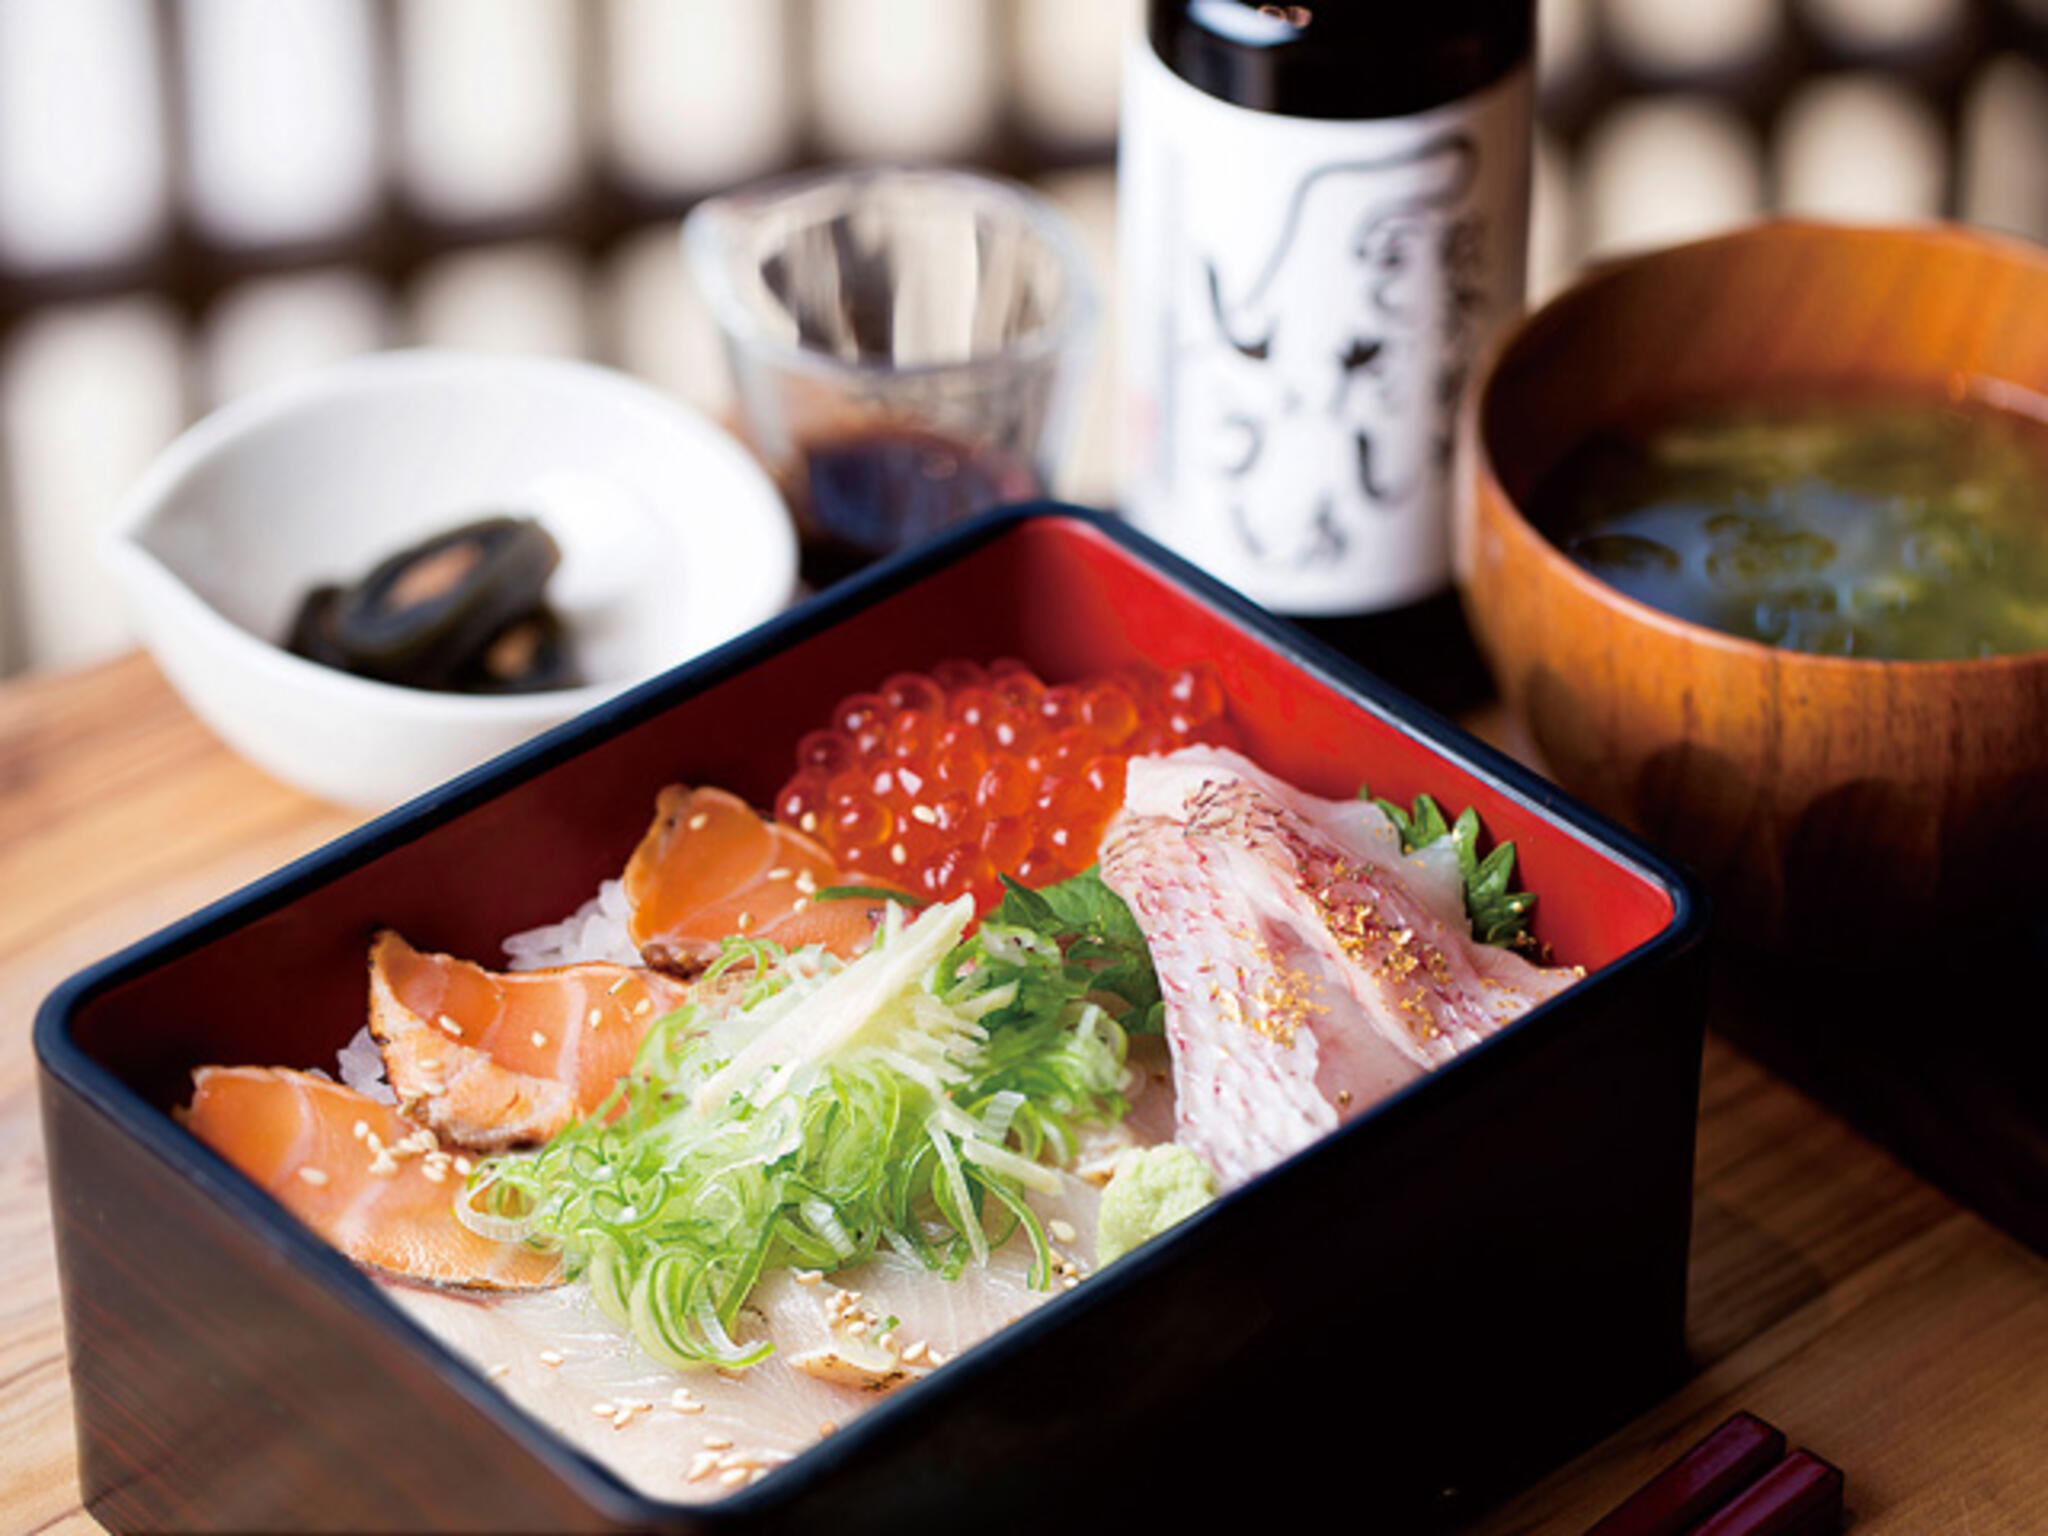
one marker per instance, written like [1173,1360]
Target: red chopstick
[1699,1482]
[1800,1496]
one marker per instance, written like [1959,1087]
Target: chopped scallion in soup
[1899,528]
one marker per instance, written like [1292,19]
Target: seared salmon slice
[710,869]
[361,1175]
[491,1060]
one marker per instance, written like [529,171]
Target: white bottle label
[1304,304]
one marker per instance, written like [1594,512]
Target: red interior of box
[289,988]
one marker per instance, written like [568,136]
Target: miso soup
[1852,525]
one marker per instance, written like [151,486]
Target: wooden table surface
[1832,1292]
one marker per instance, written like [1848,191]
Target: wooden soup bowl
[1828,800]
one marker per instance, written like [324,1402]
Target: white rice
[594,931]
[362,1068]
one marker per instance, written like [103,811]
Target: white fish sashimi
[1309,967]
[557,1356]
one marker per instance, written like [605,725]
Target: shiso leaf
[1499,914]
[1097,942]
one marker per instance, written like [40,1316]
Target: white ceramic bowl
[673,540]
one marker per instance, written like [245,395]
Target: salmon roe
[940,783]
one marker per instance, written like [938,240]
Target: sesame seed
[361,1129]
[935,1356]
[780,872]
[898,854]
[809,821]
[914,1351]
[551,1357]
[436,1172]
[464,1166]
[604,1410]
[594,1018]
[498,1372]
[538,1039]
[700,821]
[702,1465]
[645,1005]
[732,1477]
[925,815]
[858,1327]
[314,1176]
[757,1474]
[1062,1231]
[744,921]
[807,882]
[622,1418]
[620,985]
[449,1026]
[808,1276]
[827,1427]
[1068,1282]
[429,1066]
[717,1443]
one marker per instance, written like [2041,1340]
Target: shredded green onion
[910,1099]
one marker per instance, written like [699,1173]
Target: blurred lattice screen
[198,196]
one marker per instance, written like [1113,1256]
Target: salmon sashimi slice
[361,1175]
[1310,968]
[710,869]
[491,1060]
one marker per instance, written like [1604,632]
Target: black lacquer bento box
[1447,1295]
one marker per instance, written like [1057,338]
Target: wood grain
[1832,1292]
[1824,798]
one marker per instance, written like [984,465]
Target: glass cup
[907,346]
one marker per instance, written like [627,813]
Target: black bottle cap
[1343,59]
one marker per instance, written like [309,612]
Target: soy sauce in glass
[861,496]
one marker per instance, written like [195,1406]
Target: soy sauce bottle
[1324,223]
